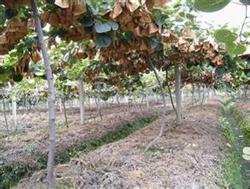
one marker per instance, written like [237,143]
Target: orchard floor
[244,106]
[187,156]
[28,147]
[37,118]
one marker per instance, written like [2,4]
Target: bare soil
[187,156]
[38,118]
[244,106]
[28,147]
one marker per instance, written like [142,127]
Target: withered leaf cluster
[131,54]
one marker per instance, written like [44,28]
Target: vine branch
[244,23]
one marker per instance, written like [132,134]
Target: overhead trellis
[126,33]
[74,20]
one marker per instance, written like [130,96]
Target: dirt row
[28,148]
[187,156]
[37,118]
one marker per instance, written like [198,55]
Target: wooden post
[51,98]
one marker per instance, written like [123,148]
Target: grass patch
[10,175]
[234,125]
[231,164]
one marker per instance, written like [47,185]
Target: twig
[237,3]
[244,23]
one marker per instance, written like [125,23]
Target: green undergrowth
[236,129]
[10,175]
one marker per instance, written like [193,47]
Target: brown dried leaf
[152,29]
[117,10]
[156,3]
[132,5]
[79,7]
[169,37]
[64,4]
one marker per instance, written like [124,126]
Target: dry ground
[244,106]
[29,147]
[187,156]
[38,118]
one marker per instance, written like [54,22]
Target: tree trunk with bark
[5,116]
[170,93]
[14,115]
[199,92]
[81,95]
[147,101]
[193,92]
[98,100]
[51,99]
[245,90]
[178,93]
[203,96]
[65,111]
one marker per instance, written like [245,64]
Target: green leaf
[66,57]
[10,13]
[210,5]
[235,49]
[87,21]
[225,35]
[190,16]
[4,77]
[2,16]
[102,27]
[159,17]
[153,42]
[102,41]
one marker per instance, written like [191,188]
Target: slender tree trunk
[199,92]
[164,106]
[193,92]
[98,101]
[147,101]
[60,105]
[51,99]
[117,100]
[208,92]
[203,96]
[5,116]
[142,99]
[170,94]
[178,93]
[14,115]
[65,111]
[81,95]
[8,106]
[245,91]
